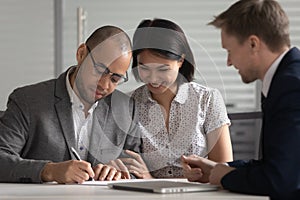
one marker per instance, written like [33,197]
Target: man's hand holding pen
[71,171]
[77,171]
[101,172]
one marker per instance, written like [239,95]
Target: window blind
[26,44]
[192,16]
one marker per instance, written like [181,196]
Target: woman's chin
[157,89]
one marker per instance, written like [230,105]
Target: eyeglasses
[100,69]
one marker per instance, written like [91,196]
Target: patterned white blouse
[195,111]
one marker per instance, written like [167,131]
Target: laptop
[163,186]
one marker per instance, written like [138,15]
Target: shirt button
[80,148]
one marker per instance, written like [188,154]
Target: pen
[76,155]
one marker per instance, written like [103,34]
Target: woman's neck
[167,97]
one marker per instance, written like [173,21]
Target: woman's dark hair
[166,39]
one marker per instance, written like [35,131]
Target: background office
[39,40]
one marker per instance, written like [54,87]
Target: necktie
[262,101]
[260,151]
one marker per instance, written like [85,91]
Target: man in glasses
[80,110]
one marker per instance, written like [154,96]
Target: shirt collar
[270,73]
[73,97]
[182,93]
[180,97]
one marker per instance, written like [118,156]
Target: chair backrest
[246,115]
[245,134]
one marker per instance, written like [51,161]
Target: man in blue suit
[255,34]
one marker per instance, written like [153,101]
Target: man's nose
[104,81]
[152,77]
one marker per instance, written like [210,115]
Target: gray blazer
[37,128]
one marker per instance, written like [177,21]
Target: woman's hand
[136,165]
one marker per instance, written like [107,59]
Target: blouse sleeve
[216,113]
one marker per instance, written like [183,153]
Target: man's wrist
[46,174]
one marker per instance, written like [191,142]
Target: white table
[85,192]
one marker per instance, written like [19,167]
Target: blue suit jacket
[277,174]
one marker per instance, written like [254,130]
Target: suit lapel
[64,114]
[63,109]
[276,83]
[275,88]
[98,132]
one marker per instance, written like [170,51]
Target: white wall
[26,52]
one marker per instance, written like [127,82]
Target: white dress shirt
[82,124]
[270,73]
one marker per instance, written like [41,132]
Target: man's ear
[81,53]
[254,43]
